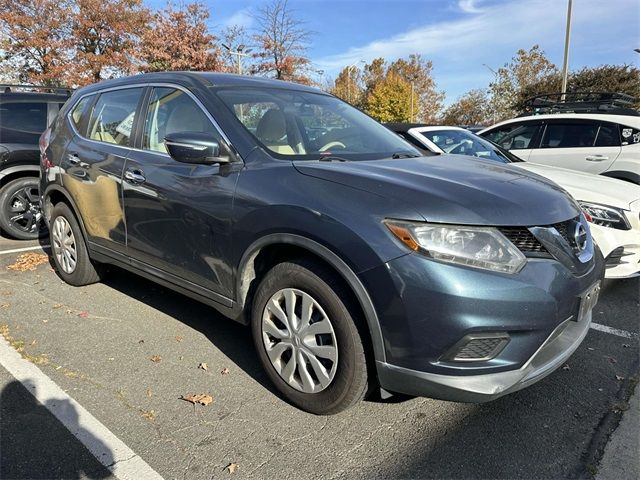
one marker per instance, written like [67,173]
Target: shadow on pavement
[35,445]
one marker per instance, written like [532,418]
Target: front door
[178,214]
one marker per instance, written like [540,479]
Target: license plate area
[588,300]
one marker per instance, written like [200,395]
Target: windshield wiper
[332,158]
[404,155]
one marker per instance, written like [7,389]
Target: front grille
[565,230]
[522,238]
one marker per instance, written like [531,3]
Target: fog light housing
[478,347]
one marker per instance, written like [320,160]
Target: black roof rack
[581,102]
[11,88]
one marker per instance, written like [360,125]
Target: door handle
[134,176]
[73,158]
[596,158]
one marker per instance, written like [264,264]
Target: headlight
[479,247]
[605,216]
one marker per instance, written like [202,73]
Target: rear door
[178,214]
[518,137]
[578,144]
[94,161]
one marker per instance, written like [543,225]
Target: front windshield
[310,126]
[462,142]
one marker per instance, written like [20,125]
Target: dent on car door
[94,160]
[178,214]
[585,145]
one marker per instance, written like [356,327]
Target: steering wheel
[329,145]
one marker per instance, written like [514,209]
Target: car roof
[199,79]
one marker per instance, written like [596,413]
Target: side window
[630,135]
[569,135]
[79,113]
[608,135]
[112,116]
[22,122]
[518,137]
[172,111]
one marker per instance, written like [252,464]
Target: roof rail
[581,102]
[9,88]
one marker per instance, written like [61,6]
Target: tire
[69,249]
[20,214]
[309,283]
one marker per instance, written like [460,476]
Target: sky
[459,36]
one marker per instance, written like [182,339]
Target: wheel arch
[18,171]
[623,175]
[270,249]
[55,194]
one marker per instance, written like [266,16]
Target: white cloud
[468,6]
[493,34]
[242,18]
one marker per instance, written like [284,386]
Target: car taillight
[44,144]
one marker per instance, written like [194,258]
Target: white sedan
[611,206]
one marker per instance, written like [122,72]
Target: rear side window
[172,111]
[608,135]
[79,114]
[569,135]
[630,136]
[22,122]
[112,116]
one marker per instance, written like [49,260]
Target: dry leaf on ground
[83,314]
[202,399]
[618,377]
[57,305]
[232,467]
[225,371]
[5,305]
[566,367]
[149,392]
[156,358]
[28,261]
[178,338]
[203,366]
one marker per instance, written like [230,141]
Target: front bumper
[620,248]
[425,308]
[482,388]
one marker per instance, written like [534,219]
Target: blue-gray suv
[359,264]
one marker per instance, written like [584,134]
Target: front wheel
[20,214]
[307,339]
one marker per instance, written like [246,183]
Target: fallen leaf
[566,367]
[590,348]
[28,261]
[626,345]
[69,311]
[178,338]
[33,342]
[140,341]
[618,377]
[203,366]
[225,371]
[5,305]
[612,360]
[202,398]
[156,358]
[83,314]
[57,305]
[149,392]
[149,414]
[232,467]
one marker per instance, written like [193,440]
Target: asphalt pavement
[127,350]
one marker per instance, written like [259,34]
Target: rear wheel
[69,249]
[20,214]
[307,340]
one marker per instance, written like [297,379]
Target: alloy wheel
[64,245]
[300,340]
[24,209]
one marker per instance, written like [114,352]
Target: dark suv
[25,112]
[358,263]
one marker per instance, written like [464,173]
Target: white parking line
[25,249]
[613,331]
[108,449]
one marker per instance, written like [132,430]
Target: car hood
[461,190]
[587,186]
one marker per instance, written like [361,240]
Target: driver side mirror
[194,147]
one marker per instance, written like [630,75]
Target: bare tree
[282,40]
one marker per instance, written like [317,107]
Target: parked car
[594,136]
[612,206]
[25,112]
[356,262]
